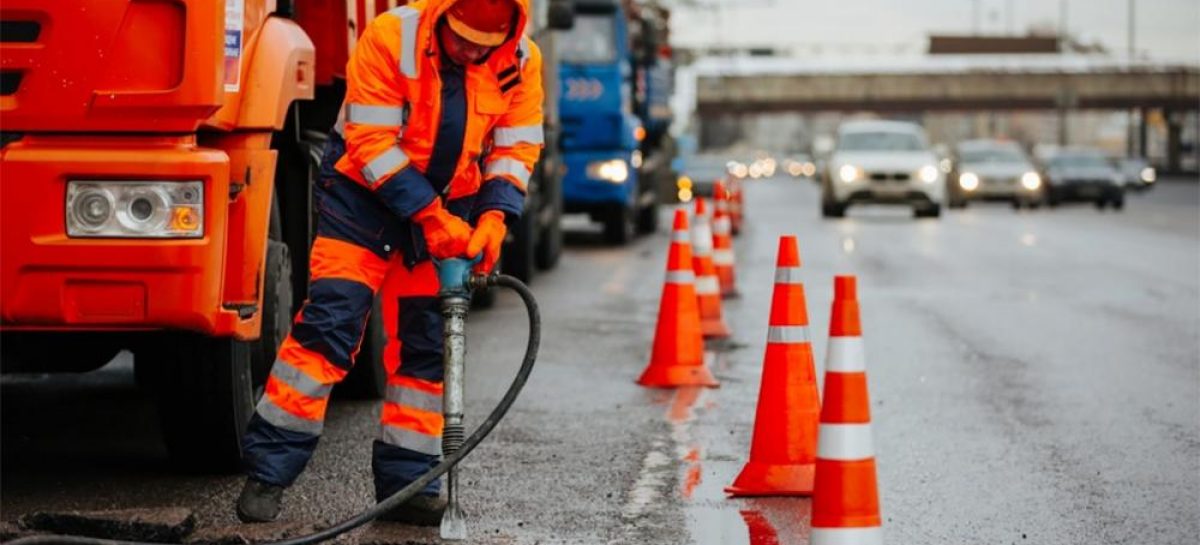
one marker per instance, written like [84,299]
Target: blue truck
[616,77]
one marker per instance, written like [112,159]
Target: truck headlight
[613,171]
[848,173]
[1031,180]
[968,181]
[135,209]
[928,174]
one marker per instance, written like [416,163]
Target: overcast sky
[1165,29]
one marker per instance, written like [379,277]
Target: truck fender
[282,70]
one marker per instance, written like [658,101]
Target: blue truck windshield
[591,41]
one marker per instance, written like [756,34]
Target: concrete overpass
[976,82]
[725,87]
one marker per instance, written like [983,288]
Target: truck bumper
[49,281]
[581,193]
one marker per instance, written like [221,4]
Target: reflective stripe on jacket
[393,103]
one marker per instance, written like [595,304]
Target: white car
[886,162]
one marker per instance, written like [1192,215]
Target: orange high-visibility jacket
[393,104]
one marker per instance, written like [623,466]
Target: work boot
[420,510]
[259,501]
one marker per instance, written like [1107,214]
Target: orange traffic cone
[784,451]
[677,358]
[708,288]
[846,501]
[722,229]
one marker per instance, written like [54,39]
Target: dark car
[1082,175]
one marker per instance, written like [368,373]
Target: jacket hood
[433,10]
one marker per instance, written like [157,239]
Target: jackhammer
[457,283]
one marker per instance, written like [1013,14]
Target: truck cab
[603,129]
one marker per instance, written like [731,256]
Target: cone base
[761,479]
[714,329]
[732,293]
[679,375]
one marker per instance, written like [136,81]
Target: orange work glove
[488,236]
[446,235]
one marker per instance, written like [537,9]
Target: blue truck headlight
[135,209]
[613,171]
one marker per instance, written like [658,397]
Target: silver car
[993,170]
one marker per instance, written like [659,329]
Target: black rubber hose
[510,396]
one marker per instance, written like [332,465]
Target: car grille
[889,176]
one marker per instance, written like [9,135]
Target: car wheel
[833,210]
[1100,204]
[928,211]
[1118,204]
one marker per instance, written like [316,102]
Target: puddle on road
[712,518]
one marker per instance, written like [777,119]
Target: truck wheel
[205,393]
[206,387]
[618,225]
[518,255]
[368,378]
[550,244]
[647,219]
[277,309]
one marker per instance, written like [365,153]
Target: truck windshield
[591,41]
[880,141]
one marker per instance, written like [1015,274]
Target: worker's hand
[446,235]
[489,235]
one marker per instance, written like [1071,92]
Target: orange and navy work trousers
[354,257]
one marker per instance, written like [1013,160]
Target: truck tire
[205,387]
[647,219]
[205,393]
[618,225]
[368,378]
[518,256]
[550,244]
[277,309]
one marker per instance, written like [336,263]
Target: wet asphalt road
[1035,378]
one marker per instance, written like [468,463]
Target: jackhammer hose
[485,428]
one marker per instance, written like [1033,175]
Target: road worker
[439,133]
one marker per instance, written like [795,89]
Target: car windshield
[590,41]
[991,155]
[1079,160]
[880,141]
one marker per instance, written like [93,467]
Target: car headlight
[1149,175]
[968,181]
[135,209]
[928,174]
[1031,181]
[613,171]
[848,173]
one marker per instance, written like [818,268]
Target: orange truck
[155,172]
